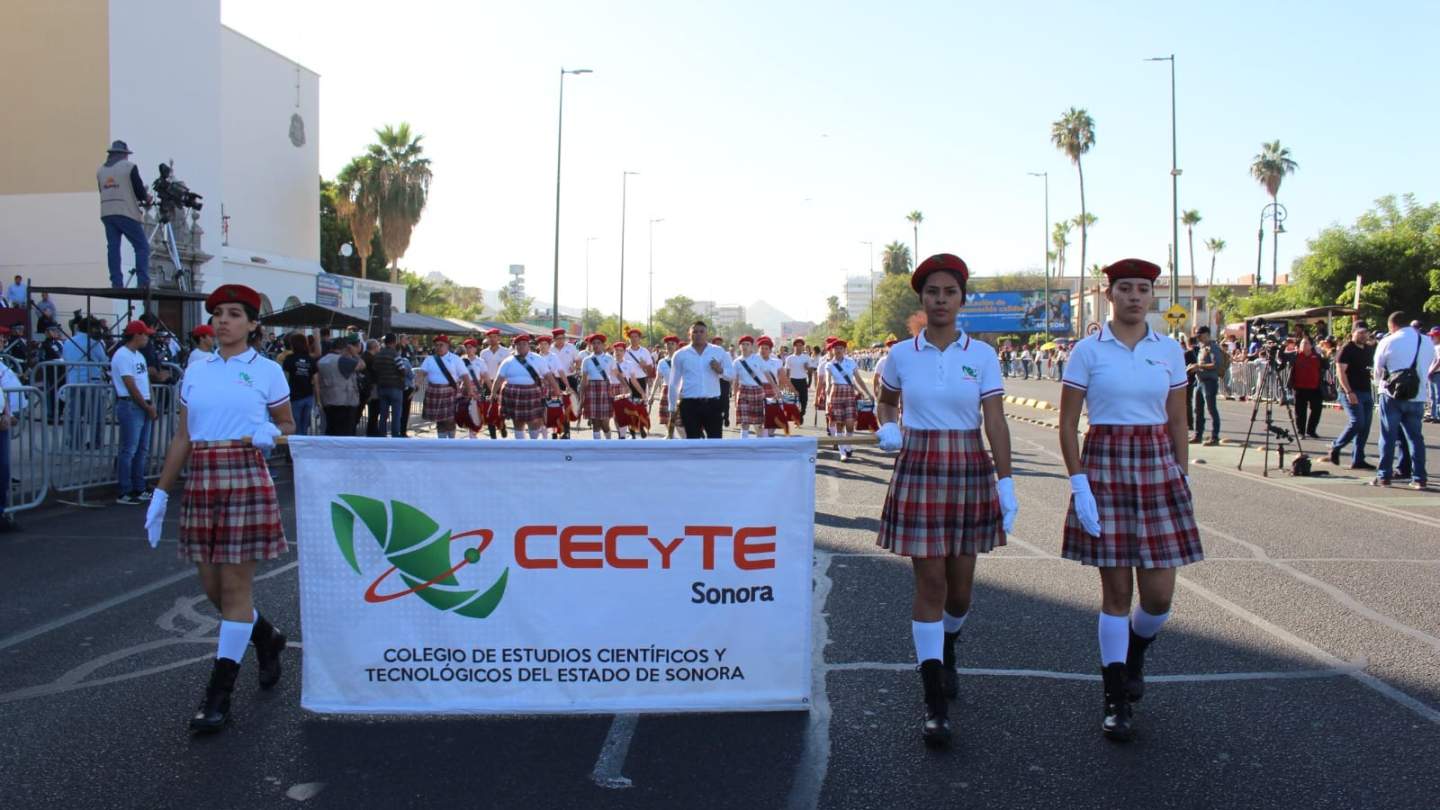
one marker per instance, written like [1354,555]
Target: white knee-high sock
[1114,638]
[954,623]
[519,435]
[744,432]
[234,638]
[595,434]
[1146,625]
[929,640]
[534,434]
[848,448]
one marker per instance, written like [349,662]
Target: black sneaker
[1334,455]
[1362,465]
[128,499]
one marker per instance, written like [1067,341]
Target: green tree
[733,332]
[1269,168]
[888,314]
[1397,241]
[335,231]
[837,321]
[1074,134]
[675,316]
[357,204]
[1374,300]
[515,308]
[915,218]
[1214,246]
[1190,219]
[895,259]
[1221,301]
[404,186]
[1060,238]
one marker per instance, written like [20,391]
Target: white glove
[155,516]
[264,438]
[889,437]
[1009,506]
[1085,507]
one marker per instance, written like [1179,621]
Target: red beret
[634,331]
[203,330]
[672,339]
[830,339]
[557,332]
[1132,268]
[470,342]
[441,339]
[798,342]
[597,336]
[137,328]
[491,331]
[840,344]
[520,338]
[544,339]
[936,263]
[747,339]
[718,341]
[765,341]
[232,294]
[619,344]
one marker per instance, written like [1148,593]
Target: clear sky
[775,137]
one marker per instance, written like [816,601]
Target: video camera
[172,193]
[1272,338]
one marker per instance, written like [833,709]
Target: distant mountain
[766,317]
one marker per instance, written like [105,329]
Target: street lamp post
[559,143]
[871,247]
[624,187]
[1174,188]
[650,314]
[1045,243]
[584,324]
[1276,212]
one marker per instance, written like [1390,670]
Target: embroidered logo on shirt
[970,373]
[1160,363]
[246,380]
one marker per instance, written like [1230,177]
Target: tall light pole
[1276,213]
[1045,243]
[559,150]
[624,184]
[871,247]
[650,314]
[1174,188]
[584,324]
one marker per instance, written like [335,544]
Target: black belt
[699,399]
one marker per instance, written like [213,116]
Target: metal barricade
[28,440]
[82,453]
[15,365]
[166,400]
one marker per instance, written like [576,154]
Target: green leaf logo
[418,551]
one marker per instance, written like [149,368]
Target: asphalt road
[1301,669]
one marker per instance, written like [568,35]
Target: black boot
[215,709]
[1135,666]
[1117,708]
[952,675]
[269,643]
[936,730]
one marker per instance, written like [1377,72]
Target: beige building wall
[56,99]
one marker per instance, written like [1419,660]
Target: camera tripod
[1270,380]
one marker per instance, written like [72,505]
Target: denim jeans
[1435,395]
[117,226]
[1358,427]
[391,400]
[135,427]
[1207,394]
[303,410]
[1400,421]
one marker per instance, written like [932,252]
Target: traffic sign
[1176,315]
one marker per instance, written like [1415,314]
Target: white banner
[505,576]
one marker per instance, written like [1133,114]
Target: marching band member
[522,388]
[598,405]
[750,396]
[1131,512]
[773,376]
[799,368]
[493,354]
[479,383]
[672,342]
[822,378]
[567,358]
[945,505]
[628,379]
[233,406]
[445,379]
[642,358]
[725,379]
[552,367]
[844,383]
[204,337]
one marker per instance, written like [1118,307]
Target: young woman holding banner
[1130,509]
[233,405]
[945,505]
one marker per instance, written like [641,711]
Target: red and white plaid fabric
[619,390]
[439,403]
[555,417]
[1147,518]
[665,404]
[598,404]
[750,405]
[841,407]
[522,403]
[229,512]
[942,500]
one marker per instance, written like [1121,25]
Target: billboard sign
[1015,311]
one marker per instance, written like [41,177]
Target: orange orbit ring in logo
[472,555]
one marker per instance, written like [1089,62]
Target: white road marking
[1202,677]
[606,773]
[815,754]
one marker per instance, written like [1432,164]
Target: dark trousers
[405,412]
[724,406]
[1190,403]
[372,424]
[802,392]
[1308,404]
[1207,392]
[702,417]
[117,226]
[340,420]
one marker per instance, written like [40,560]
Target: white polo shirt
[564,357]
[628,369]
[1124,386]
[663,370]
[641,357]
[690,372]
[230,399]
[799,366]
[842,372]
[474,369]
[197,356]
[433,374]
[943,390]
[493,359]
[127,362]
[598,367]
[513,372]
[753,378]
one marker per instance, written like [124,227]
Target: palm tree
[1085,220]
[1214,246]
[915,218]
[895,259]
[1269,168]
[1074,134]
[357,201]
[1190,219]
[1060,238]
[404,186]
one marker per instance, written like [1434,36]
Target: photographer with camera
[1352,374]
[121,194]
[1402,398]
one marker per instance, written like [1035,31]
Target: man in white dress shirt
[695,374]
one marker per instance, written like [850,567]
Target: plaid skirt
[1147,519]
[942,500]
[439,403]
[841,407]
[229,512]
[522,403]
[750,405]
[598,404]
[665,404]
